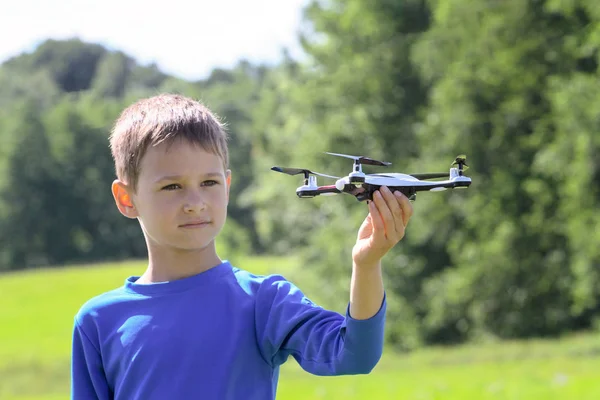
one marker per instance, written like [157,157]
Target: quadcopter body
[362,186]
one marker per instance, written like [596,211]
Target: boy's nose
[194,203]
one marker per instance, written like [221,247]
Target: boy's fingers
[377,221]
[407,210]
[386,214]
[406,206]
[395,209]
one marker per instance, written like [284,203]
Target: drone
[362,186]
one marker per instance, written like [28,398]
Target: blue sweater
[221,334]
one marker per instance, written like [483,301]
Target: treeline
[512,84]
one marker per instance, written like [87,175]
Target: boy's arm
[87,372]
[381,230]
[366,291]
[323,342]
[326,343]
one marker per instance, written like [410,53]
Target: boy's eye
[175,186]
[172,186]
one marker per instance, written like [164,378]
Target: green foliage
[71,63]
[27,195]
[57,202]
[492,98]
[112,75]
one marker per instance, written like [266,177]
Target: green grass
[37,310]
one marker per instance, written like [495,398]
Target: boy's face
[181,198]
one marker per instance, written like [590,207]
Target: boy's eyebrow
[178,177]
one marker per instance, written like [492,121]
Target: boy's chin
[185,244]
[196,246]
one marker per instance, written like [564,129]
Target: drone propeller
[297,171]
[362,159]
[461,161]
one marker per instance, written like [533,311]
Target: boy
[193,326]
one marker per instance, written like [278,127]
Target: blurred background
[493,293]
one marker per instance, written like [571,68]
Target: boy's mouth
[195,224]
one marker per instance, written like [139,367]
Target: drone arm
[328,189]
[432,175]
[317,191]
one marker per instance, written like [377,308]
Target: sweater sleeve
[323,342]
[87,372]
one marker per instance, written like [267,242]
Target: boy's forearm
[366,291]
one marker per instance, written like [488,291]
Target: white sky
[186,38]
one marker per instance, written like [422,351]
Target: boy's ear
[228,180]
[123,200]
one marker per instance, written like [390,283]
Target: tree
[493,67]
[27,195]
[112,75]
[72,63]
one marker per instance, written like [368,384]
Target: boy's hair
[163,118]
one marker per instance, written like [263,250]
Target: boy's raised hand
[383,227]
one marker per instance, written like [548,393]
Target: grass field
[37,311]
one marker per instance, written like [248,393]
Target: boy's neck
[169,265]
